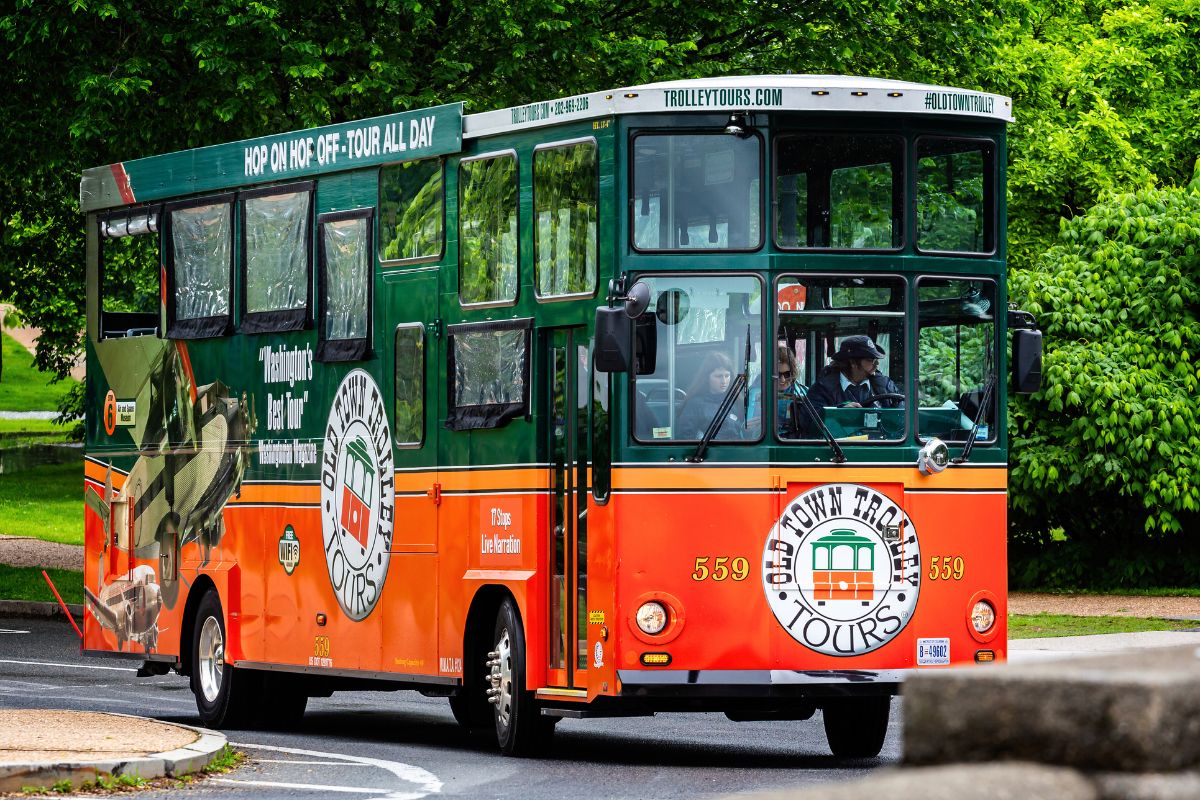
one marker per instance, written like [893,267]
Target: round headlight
[934,457]
[652,617]
[983,616]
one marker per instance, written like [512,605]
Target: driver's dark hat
[853,347]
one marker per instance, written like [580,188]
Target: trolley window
[487,221]
[199,268]
[956,195]
[345,302]
[696,192]
[412,204]
[277,257]
[707,338]
[956,358]
[410,385]
[839,358]
[839,191]
[565,200]
[130,274]
[488,365]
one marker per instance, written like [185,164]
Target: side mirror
[614,340]
[1026,361]
[638,300]
[614,329]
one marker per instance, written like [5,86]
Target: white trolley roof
[821,93]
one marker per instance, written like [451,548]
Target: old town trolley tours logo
[842,568]
[357,494]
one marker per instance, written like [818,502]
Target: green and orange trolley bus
[520,408]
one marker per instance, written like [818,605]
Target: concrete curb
[29,608]
[172,764]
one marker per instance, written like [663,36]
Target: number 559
[723,568]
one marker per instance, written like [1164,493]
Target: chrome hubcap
[211,658]
[499,678]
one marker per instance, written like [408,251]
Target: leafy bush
[1109,449]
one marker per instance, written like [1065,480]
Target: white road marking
[427,783]
[65,666]
[11,630]
[313,787]
[299,761]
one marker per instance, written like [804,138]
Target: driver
[852,378]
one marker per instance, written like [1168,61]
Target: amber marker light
[656,659]
[985,656]
[820,92]
[859,94]
[895,94]
[321,620]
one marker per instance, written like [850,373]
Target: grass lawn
[44,502]
[1032,626]
[22,387]
[22,432]
[27,583]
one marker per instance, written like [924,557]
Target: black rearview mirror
[1026,361]
[614,340]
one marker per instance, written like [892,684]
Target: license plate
[933,651]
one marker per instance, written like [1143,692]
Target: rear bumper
[794,684]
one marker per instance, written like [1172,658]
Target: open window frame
[283,319]
[115,226]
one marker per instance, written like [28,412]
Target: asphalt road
[403,745]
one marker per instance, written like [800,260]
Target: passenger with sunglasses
[787,388]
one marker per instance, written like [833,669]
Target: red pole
[58,597]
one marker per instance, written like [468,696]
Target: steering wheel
[898,396]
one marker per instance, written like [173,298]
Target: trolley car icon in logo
[357,494]
[835,578]
[843,567]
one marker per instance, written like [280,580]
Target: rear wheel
[856,726]
[520,727]
[225,696]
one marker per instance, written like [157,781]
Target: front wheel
[224,695]
[520,727]
[856,726]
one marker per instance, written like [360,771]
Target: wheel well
[200,587]
[480,619]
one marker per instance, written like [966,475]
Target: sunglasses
[783,376]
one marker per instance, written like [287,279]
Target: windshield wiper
[801,399]
[984,401]
[718,419]
[714,424]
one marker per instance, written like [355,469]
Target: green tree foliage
[92,82]
[1111,445]
[1105,101]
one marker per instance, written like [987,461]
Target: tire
[225,696]
[521,730]
[856,726]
